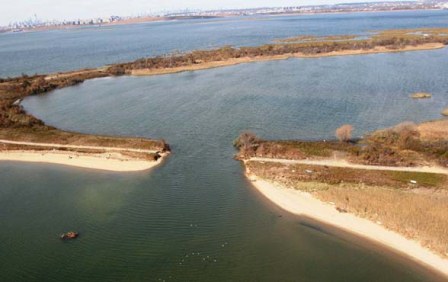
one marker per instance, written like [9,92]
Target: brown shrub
[344,133]
[408,136]
[247,143]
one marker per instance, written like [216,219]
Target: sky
[19,10]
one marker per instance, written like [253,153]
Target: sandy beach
[304,204]
[113,161]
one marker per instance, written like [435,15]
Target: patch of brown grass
[434,130]
[68,138]
[422,217]
[404,145]
[289,174]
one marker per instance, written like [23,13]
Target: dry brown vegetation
[294,150]
[77,139]
[419,216]
[417,211]
[344,133]
[405,144]
[288,174]
[434,130]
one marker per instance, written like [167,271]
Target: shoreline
[304,204]
[131,21]
[108,161]
[245,60]
[155,19]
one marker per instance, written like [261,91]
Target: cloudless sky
[18,10]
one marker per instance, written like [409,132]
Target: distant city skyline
[20,10]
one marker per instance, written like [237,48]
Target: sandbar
[113,161]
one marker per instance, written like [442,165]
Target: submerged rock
[69,235]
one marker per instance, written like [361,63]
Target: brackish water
[61,50]
[196,218]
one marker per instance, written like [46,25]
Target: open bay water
[196,217]
[71,49]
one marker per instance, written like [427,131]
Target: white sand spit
[113,161]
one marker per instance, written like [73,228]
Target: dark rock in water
[69,235]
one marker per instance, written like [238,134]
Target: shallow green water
[196,218]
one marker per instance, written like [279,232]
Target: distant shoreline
[131,21]
[149,19]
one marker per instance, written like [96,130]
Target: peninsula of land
[16,125]
[119,159]
[390,187]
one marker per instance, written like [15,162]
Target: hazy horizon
[21,10]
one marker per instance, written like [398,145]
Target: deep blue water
[61,50]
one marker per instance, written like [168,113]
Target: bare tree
[247,143]
[344,133]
